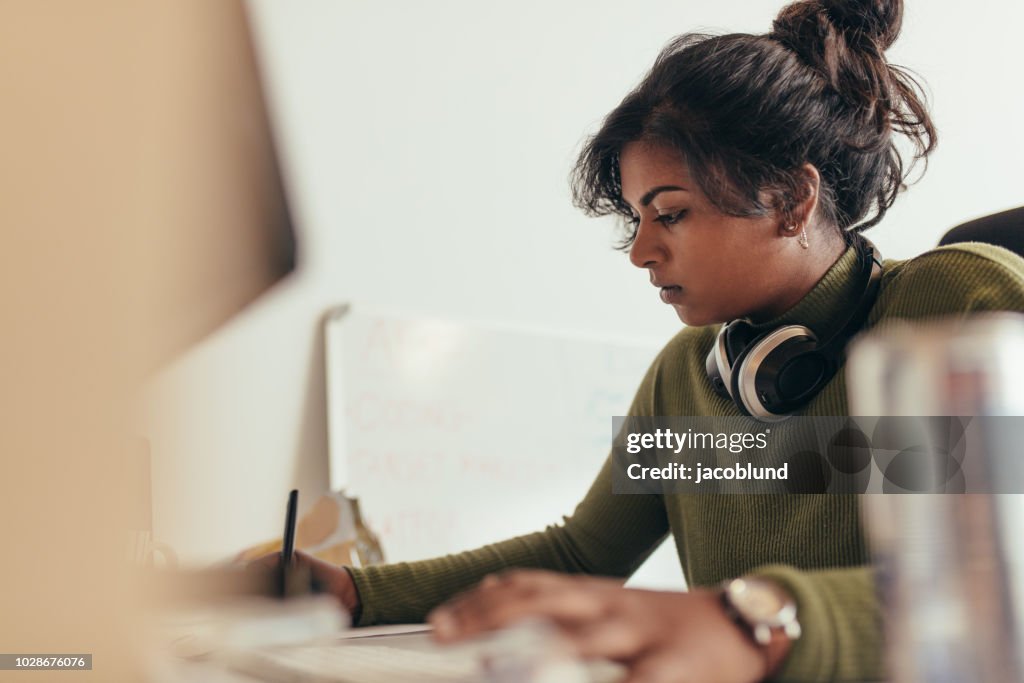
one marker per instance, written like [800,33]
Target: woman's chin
[692,317]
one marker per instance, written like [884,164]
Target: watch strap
[773,642]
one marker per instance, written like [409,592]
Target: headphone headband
[871,274]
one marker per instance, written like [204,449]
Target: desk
[181,670]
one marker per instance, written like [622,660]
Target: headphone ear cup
[803,374]
[776,373]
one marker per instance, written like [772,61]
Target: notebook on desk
[359,663]
[413,658]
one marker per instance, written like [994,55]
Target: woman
[746,167]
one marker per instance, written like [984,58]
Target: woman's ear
[807,199]
[797,210]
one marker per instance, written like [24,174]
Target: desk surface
[182,670]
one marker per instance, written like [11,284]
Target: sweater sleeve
[839,611]
[607,535]
[841,621]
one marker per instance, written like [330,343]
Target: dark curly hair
[748,111]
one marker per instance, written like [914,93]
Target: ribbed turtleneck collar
[828,300]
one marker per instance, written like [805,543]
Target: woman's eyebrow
[654,192]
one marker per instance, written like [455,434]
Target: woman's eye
[671,218]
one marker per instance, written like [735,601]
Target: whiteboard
[453,435]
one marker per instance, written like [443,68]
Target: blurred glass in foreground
[950,567]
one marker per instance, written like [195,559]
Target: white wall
[427,147]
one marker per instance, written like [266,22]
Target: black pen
[288,544]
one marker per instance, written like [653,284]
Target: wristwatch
[762,608]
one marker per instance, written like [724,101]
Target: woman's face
[708,266]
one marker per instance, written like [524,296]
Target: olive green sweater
[813,544]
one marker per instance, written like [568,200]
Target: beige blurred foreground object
[140,207]
[950,568]
[332,530]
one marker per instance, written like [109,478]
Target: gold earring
[803,239]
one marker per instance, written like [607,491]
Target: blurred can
[950,567]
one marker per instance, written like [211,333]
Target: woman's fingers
[330,578]
[504,599]
[615,637]
[268,561]
[663,637]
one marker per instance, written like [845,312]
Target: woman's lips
[672,294]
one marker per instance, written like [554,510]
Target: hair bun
[877,20]
[871,25]
[844,40]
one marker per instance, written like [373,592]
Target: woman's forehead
[643,166]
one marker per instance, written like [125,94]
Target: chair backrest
[1004,229]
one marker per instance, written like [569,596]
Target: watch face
[759,601]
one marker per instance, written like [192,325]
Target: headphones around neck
[771,375]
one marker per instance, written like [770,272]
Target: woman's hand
[662,637]
[332,579]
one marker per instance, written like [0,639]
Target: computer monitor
[143,206]
[233,235]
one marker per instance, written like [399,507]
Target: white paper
[388,630]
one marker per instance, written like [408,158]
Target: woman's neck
[806,270]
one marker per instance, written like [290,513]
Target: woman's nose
[646,251]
